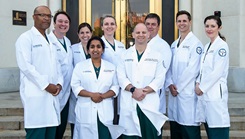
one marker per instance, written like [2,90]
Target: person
[41,78]
[152,22]
[113,51]
[80,53]
[211,85]
[141,74]
[181,80]
[63,47]
[94,83]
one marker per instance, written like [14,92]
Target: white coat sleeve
[159,79]
[75,80]
[24,60]
[192,70]
[219,65]
[122,74]
[115,86]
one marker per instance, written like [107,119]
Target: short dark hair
[61,12]
[84,24]
[183,12]
[153,15]
[96,38]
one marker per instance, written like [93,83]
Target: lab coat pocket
[214,93]
[32,90]
[108,110]
[83,113]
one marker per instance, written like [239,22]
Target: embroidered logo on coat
[38,45]
[129,60]
[151,59]
[222,52]
[108,70]
[184,46]
[199,50]
[77,52]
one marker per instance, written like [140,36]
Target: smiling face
[152,26]
[84,35]
[183,23]
[109,26]
[62,24]
[140,34]
[212,29]
[95,49]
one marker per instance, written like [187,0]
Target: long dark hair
[218,21]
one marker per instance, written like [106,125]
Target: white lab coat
[183,73]
[160,45]
[38,65]
[84,78]
[111,55]
[149,71]
[213,83]
[65,60]
[78,56]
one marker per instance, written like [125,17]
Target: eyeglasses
[45,15]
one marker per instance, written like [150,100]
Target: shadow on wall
[9,79]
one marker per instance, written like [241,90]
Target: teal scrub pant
[62,127]
[104,132]
[190,132]
[41,133]
[175,130]
[72,129]
[148,130]
[217,133]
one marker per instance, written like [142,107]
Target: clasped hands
[54,89]
[97,97]
[140,93]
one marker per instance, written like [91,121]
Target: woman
[94,83]
[212,83]
[113,50]
[80,53]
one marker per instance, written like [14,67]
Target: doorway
[126,12]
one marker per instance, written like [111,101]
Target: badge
[222,52]
[199,50]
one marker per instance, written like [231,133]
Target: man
[41,78]
[152,22]
[181,80]
[64,54]
[141,74]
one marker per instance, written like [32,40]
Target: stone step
[234,110]
[20,134]
[233,134]
[17,123]
[237,123]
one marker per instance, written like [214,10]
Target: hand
[198,90]
[148,90]
[96,97]
[59,88]
[173,90]
[138,94]
[53,89]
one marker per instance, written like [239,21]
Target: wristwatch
[132,89]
